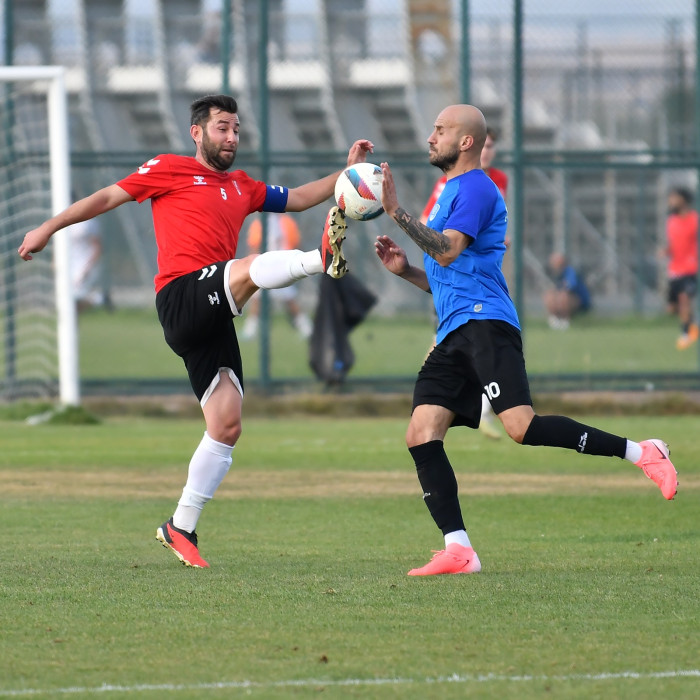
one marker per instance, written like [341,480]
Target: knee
[516,422]
[420,434]
[516,433]
[226,431]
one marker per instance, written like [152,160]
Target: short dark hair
[201,108]
[684,193]
[490,131]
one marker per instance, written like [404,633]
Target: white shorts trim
[217,379]
[229,296]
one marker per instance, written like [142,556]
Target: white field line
[317,682]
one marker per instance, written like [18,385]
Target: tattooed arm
[443,247]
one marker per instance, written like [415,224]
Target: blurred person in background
[569,294]
[487,425]
[682,253]
[86,265]
[282,234]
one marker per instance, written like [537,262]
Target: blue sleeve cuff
[276,198]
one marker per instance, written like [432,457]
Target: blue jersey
[473,286]
[572,282]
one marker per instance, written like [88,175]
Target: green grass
[310,584]
[130,343]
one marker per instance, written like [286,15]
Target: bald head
[458,138]
[469,120]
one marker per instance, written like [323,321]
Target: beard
[216,156]
[446,160]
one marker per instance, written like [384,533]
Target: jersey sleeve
[275,199]
[465,212]
[272,198]
[152,179]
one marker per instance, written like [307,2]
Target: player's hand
[359,150]
[392,256]
[390,201]
[34,242]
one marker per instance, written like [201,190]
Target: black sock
[685,327]
[559,431]
[439,484]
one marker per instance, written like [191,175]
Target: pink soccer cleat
[454,559]
[183,544]
[655,463]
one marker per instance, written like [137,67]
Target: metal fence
[595,108]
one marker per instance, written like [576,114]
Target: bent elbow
[446,259]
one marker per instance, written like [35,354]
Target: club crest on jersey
[214,298]
[199,180]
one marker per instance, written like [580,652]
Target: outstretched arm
[313,193]
[88,208]
[444,247]
[395,260]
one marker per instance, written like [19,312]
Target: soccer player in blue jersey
[478,348]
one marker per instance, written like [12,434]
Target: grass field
[129,343]
[590,585]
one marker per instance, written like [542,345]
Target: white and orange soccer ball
[358,191]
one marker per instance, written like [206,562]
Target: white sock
[485,408]
[459,537]
[633,452]
[280,268]
[208,467]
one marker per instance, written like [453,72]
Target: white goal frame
[59,163]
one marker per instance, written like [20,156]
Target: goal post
[51,81]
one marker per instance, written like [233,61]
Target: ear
[196,133]
[467,143]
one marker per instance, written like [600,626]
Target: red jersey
[498,176]
[197,212]
[682,233]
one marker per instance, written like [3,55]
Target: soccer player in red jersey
[198,209]
[682,252]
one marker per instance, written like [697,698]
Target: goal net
[38,346]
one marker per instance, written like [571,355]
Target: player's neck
[461,168]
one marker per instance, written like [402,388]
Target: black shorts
[687,284]
[196,312]
[476,358]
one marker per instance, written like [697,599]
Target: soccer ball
[358,191]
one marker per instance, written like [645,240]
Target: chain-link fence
[609,96]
